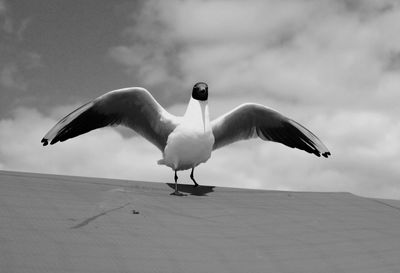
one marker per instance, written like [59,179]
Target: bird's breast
[187,147]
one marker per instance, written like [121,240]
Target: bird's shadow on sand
[190,189]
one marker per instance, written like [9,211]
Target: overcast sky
[332,65]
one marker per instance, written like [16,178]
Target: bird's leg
[192,177]
[176,192]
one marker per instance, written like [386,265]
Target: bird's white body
[192,141]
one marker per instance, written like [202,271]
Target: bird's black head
[200,91]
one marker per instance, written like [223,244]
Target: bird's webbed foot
[178,193]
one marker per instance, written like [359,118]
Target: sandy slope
[57,224]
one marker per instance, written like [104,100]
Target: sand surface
[57,224]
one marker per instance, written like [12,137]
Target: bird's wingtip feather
[45,141]
[326,154]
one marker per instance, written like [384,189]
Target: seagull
[187,141]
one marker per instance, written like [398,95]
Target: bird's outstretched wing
[132,107]
[254,120]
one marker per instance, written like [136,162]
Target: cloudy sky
[332,65]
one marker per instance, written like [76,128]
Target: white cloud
[302,51]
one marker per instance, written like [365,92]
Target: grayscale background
[332,65]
